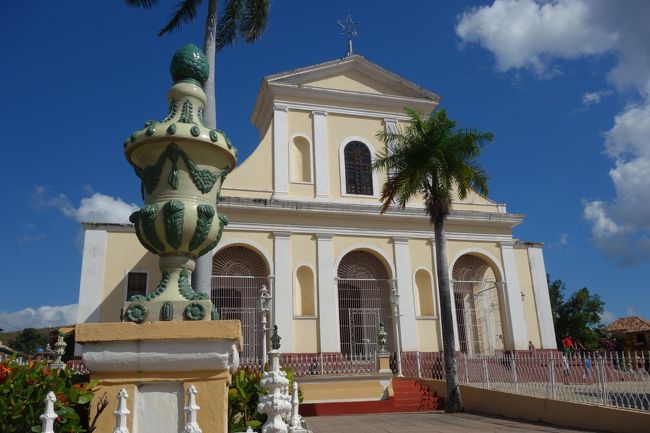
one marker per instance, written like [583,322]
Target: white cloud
[529,34]
[593,98]
[532,34]
[96,208]
[607,317]
[42,317]
[631,311]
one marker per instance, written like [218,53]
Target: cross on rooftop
[349,30]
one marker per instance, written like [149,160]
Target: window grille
[478,311]
[364,301]
[238,273]
[136,284]
[358,169]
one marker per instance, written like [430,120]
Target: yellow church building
[305,222]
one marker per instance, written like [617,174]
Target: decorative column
[405,288]
[328,309]
[321,153]
[514,304]
[280,152]
[283,287]
[542,298]
[390,125]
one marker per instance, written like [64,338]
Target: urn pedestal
[156,363]
[181,164]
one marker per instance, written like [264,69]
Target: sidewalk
[436,422]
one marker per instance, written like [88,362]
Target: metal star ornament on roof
[350,30]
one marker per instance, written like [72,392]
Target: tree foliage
[23,388]
[28,340]
[432,159]
[579,315]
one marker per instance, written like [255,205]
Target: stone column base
[156,362]
[383,359]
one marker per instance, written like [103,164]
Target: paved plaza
[436,422]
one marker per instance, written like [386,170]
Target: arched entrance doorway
[477,296]
[238,274]
[364,287]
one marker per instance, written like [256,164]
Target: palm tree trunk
[453,402]
[202,275]
[209,47]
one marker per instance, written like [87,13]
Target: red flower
[61,398]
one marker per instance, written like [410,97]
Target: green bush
[244,394]
[22,397]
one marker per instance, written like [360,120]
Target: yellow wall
[427,333]
[352,81]
[254,176]
[305,335]
[536,409]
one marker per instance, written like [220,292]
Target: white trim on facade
[280,152]
[542,297]
[328,299]
[321,154]
[514,304]
[405,289]
[292,156]
[371,148]
[283,292]
[412,234]
[92,275]
[451,297]
[243,242]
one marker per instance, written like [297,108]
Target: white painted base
[161,355]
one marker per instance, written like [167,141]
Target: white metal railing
[620,379]
[322,364]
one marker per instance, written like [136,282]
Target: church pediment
[352,74]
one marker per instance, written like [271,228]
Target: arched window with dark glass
[358,169]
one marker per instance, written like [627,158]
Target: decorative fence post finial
[275,338]
[48,417]
[59,349]
[192,408]
[381,338]
[121,413]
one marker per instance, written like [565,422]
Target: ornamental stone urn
[182,164]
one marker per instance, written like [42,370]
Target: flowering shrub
[22,394]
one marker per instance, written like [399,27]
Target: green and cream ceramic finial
[181,164]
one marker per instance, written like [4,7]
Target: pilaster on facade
[390,125]
[328,311]
[283,288]
[514,303]
[321,165]
[405,290]
[542,298]
[92,275]
[280,152]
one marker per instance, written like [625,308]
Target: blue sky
[563,85]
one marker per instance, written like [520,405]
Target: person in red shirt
[567,344]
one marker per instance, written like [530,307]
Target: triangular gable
[353,73]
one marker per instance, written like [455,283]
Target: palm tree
[239,19]
[432,158]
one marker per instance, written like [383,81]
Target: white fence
[619,379]
[322,364]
